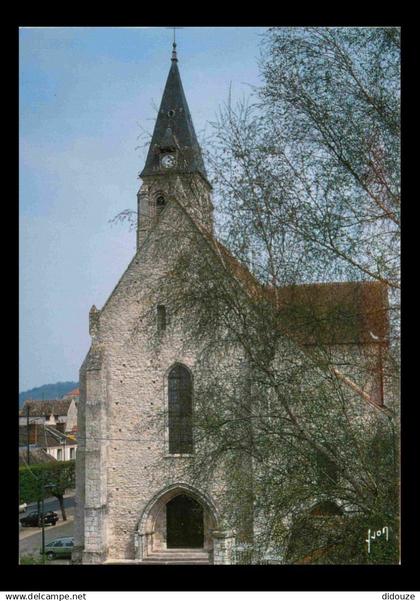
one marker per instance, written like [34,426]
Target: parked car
[32,519]
[59,547]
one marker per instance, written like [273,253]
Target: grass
[30,560]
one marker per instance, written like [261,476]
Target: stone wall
[124,461]
[190,191]
[223,547]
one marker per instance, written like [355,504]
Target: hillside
[47,391]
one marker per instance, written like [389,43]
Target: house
[59,413]
[73,394]
[50,440]
[37,455]
[135,501]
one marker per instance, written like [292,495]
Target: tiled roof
[333,313]
[72,393]
[324,313]
[314,314]
[44,436]
[46,408]
[321,313]
[36,455]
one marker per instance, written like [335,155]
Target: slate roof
[46,408]
[174,129]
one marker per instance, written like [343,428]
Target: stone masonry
[125,474]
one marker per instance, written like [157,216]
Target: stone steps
[175,562]
[158,561]
[178,556]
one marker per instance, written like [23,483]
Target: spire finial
[174,56]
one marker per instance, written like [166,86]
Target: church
[135,501]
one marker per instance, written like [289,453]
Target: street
[52,504]
[30,538]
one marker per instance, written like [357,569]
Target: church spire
[174,146]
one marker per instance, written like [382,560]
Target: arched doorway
[184,523]
[192,518]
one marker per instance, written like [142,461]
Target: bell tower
[174,165]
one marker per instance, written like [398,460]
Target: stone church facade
[126,507]
[134,499]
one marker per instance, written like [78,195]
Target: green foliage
[61,475]
[307,176]
[343,540]
[31,560]
[308,182]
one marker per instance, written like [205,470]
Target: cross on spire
[174,28]
[174,56]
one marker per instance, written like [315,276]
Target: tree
[318,150]
[306,178]
[58,476]
[308,173]
[62,477]
[284,425]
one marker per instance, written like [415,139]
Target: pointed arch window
[180,410]
[160,204]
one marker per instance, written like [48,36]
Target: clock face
[168,161]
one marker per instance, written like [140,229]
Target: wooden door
[184,523]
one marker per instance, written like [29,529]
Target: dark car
[33,518]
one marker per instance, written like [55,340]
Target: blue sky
[85,95]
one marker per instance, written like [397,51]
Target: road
[30,539]
[52,504]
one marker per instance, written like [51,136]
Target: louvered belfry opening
[180,410]
[160,204]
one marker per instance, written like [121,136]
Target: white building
[59,446]
[59,413]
